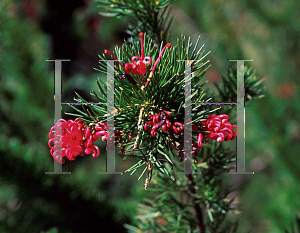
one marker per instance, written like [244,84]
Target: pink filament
[106,51]
[152,71]
[161,53]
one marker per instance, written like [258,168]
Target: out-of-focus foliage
[228,90]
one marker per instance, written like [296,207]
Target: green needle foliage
[129,99]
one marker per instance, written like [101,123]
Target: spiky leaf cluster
[151,17]
[164,92]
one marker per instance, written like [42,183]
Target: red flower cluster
[219,129]
[75,139]
[162,120]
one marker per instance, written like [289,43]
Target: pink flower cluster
[218,127]
[74,139]
[162,120]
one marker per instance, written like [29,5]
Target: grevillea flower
[138,64]
[162,120]
[219,129]
[73,138]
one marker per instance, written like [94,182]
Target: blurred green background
[33,31]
